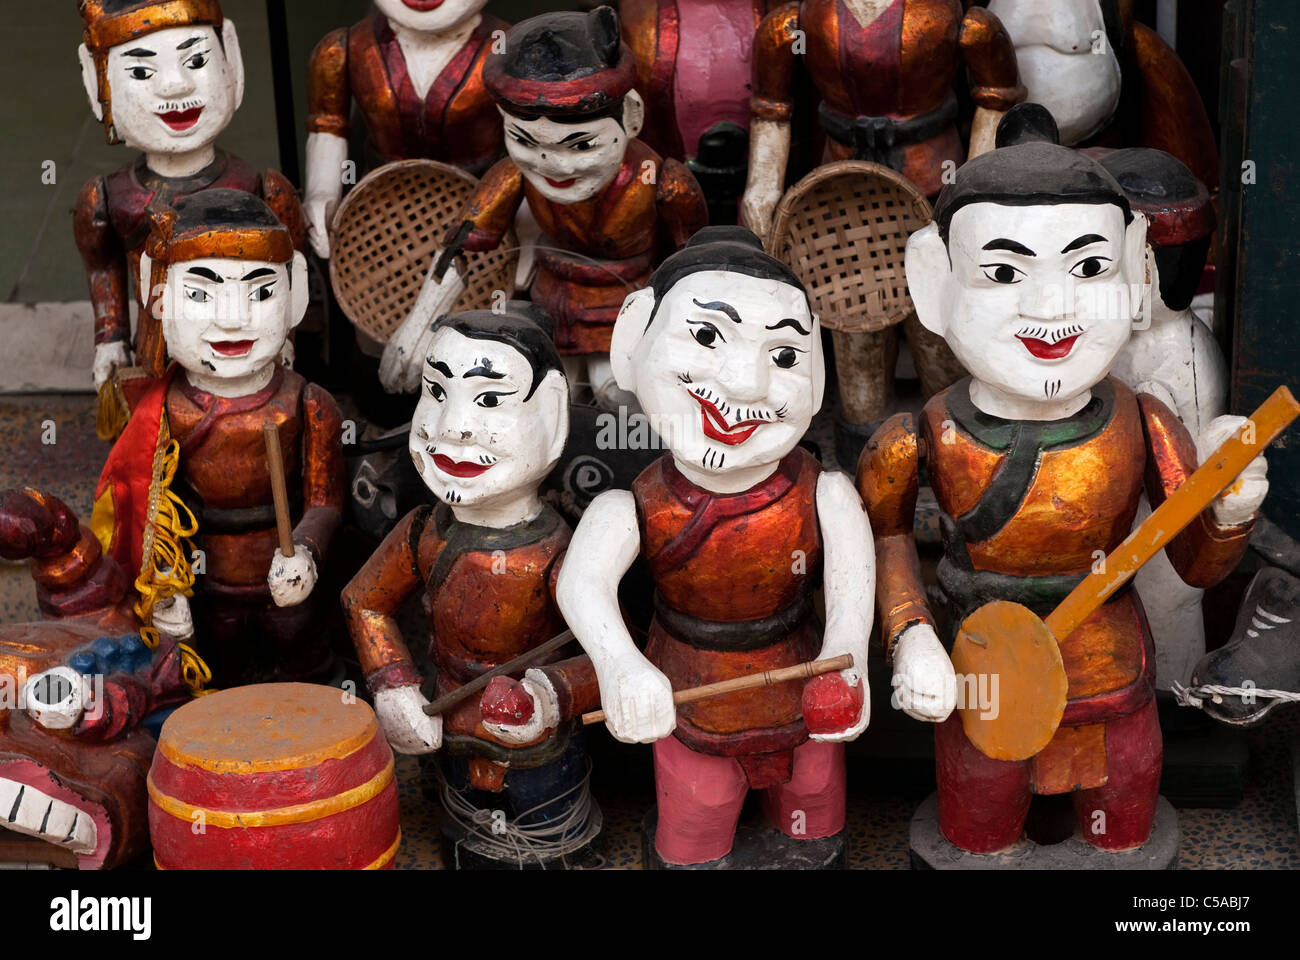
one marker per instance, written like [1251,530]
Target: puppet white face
[571,162]
[477,435]
[1039,300]
[229,319]
[430,16]
[1066,61]
[729,372]
[174,90]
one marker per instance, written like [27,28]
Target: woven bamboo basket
[385,234]
[843,229]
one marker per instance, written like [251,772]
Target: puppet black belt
[733,635]
[242,519]
[874,138]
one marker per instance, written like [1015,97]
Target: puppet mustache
[1047,335]
[735,414]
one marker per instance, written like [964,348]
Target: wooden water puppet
[274,776]
[609,207]
[885,72]
[1174,356]
[738,525]
[694,66]
[414,72]
[1110,80]
[491,422]
[1032,271]
[165,78]
[185,500]
[79,686]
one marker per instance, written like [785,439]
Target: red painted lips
[1049,351]
[181,119]
[716,427]
[233,348]
[460,468]
[423,5]
[562,184]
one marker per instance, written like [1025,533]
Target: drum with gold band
[270,777]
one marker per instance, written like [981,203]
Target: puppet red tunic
[455,122]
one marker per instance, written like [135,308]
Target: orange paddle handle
[1176,513]
[767,678]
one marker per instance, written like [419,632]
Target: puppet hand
[836,706]
[404,354]
[758,206]
[637,700]
[925,687]
[109,358]
[172,617]
[291,578]
[320,212]
[520,711]
[1241,501]
[57,698]
[407,727]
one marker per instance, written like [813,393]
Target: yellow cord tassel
[166,571]
[111,414]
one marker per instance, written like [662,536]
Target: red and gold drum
[275,776]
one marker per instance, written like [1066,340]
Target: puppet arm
[329,99]
[990,56]
[106,271]
[771,110]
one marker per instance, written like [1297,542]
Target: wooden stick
[460,694]
[1176,513]
[275,462]
[800,671]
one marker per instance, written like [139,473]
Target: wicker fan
[383,240]
[844,229]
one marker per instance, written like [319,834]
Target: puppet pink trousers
[700,796]
[983,802]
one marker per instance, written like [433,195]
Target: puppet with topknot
[491,423]
[165,78]
[609,207]
[1033,271]
[184,503]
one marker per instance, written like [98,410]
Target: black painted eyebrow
[189,43]
[140,52]
[259,272]
[525,134]
[1086,240]
[206,274]
[484,370]
[440,367]
[1002,243]
[789,322]
[720,307]
[576,136]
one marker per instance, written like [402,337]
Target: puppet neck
[233,387]
[998,403]
[507,510]
[177,165]
[733,481]
[427,54]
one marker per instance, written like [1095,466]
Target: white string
[513,839]
[1196,696]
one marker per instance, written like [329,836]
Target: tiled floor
[1259,833]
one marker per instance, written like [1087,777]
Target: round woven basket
[385,234]
[843,229]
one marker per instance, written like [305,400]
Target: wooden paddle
[279,492]
[767,678]
[1008,641]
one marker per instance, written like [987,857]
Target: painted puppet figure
[77,687]
[694,66]
[1110,80]
[414,69]
[222,274]
[491,423]
[1032,270]
[165,78]
[609,207]
[739,525]
[885,71]
[1174,357]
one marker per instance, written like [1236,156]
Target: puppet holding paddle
[1032,271]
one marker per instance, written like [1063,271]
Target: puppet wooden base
[930,850]
[758,846]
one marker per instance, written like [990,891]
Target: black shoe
[1263,652]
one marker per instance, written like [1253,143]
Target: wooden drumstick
[279,492]
[800,671]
